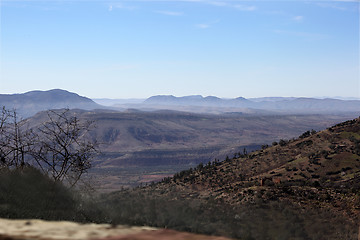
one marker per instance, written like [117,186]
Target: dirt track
[52,230]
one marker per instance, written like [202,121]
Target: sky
[141,48]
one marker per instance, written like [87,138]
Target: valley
[142,146]
[152,145]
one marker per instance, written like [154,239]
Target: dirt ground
[61,230]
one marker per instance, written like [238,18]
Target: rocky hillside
[314,168]
[330,157]
[304,188]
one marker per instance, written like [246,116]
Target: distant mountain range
[29,103]
[197,100]
[279,104]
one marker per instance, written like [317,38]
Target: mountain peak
[29,103]
[241,98]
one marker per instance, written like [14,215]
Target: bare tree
[65,149]
[60,147]
[16,140]
[4,150]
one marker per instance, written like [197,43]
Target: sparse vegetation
[261,220]
[248,182]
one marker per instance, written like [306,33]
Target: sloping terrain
[305,188]
[329,159]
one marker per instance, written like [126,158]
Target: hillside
[29,103]
[139,147]
[330,159]
[306,188]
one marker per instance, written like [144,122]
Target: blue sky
[136,49]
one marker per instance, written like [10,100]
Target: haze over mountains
[29,103]
[265,105]
[269,104]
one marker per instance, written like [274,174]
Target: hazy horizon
[137,49]
[203,96]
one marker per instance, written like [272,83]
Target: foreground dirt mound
[61,230]
[165,234]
